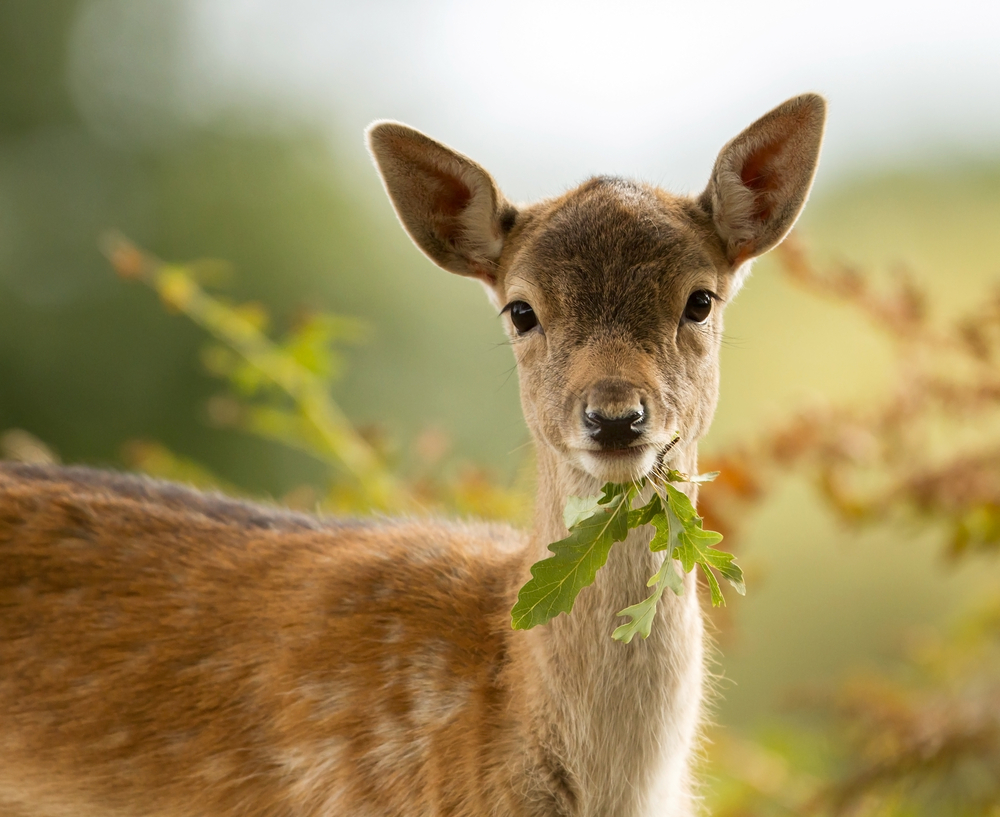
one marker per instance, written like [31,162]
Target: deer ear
[449,205]
[762,177]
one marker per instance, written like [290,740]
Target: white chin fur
[618,467]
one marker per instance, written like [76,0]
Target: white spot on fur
[315,775]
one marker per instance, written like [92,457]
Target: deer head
[613,293]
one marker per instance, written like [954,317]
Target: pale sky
[546,93]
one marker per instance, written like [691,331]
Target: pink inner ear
[759,175]
[450,197]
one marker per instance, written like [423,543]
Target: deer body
[164,652]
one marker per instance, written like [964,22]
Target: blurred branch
[317,418]
[933,739]
[930,446]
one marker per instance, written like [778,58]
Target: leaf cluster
[596,524]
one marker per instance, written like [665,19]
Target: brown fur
[165,652]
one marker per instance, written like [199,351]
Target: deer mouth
[627,463]
[620,464]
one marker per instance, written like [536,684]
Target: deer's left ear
[762,177]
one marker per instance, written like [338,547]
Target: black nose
[614,432]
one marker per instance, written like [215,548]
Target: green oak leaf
[668,576]
[696,546]
[555,582]
[707,477]
[642,614]
[668,528]
[679,532]
[679,476]
[579,508]
[611,491]
[646,514]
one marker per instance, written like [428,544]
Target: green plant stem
[341,444]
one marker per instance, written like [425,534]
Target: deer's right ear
[448,204]
[762,177]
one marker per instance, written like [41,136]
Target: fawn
[165,652]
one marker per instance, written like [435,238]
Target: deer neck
[619,706]
[622,581]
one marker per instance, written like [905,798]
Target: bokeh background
[232,130]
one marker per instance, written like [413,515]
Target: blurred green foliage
[87,365]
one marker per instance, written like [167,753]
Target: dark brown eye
[522,316]
[699,306]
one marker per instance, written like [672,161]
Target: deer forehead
[613,256]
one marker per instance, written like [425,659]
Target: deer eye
[522,316]
[699,306]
